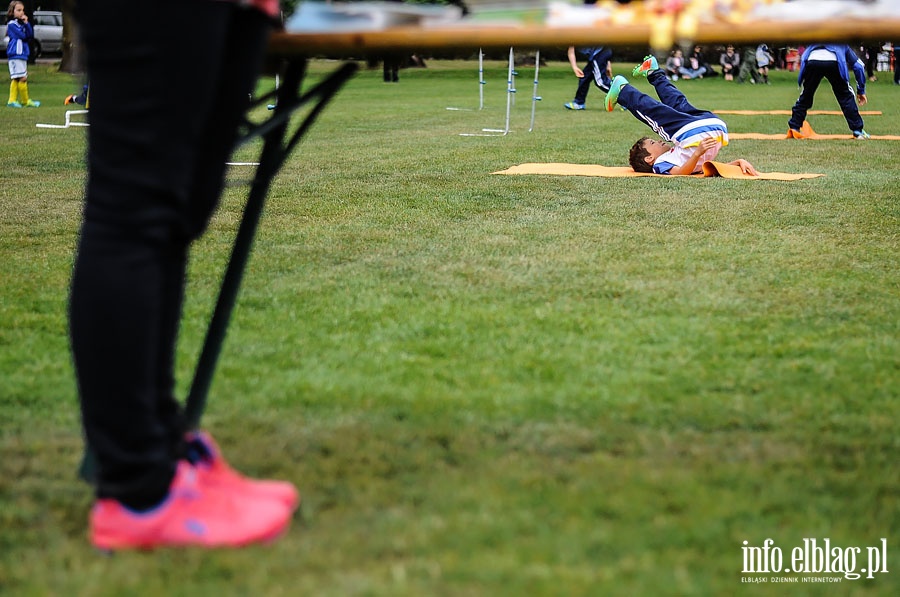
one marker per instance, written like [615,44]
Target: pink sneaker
[215,471]
[193,513]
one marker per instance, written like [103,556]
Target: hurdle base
[69,123]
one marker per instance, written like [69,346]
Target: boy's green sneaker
[646,67]
[614,88]
[33,104]
[13,105]
[861,135]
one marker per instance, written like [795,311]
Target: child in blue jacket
[20,33]
[832,62]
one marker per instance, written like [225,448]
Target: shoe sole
[613,97]
[112,545]
[639,70]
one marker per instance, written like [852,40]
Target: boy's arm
[574,63]
[746,167]
[688,166]
[691,163]
[859,71]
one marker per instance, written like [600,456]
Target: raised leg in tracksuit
[668,115]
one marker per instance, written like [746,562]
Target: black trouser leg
[812,76]
[162,127]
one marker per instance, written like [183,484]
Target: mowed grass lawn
[496,385]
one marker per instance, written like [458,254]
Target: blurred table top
[465,36]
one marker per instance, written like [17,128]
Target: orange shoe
[193,513]
[204,453]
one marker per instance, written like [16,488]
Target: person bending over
[834,63]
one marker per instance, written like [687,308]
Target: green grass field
[496,385]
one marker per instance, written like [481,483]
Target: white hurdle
[510,95]
[510,90]
[515,74]
[481,81]
[481,84]
[69,114]
[535,98]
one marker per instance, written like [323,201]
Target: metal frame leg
[278,145]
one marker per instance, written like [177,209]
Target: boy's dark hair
[637,156]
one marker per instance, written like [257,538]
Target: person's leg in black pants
[158,144]
[391,68]
[896,54]
[846,99]
[584,84]
[813,74]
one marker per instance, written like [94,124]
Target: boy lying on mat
[694,136]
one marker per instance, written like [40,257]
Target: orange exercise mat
[806,132]
[788,112]
[710,170]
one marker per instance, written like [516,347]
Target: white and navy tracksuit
[675,120]
[832,62]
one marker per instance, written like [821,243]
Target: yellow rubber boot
[23,96]
[14,94]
